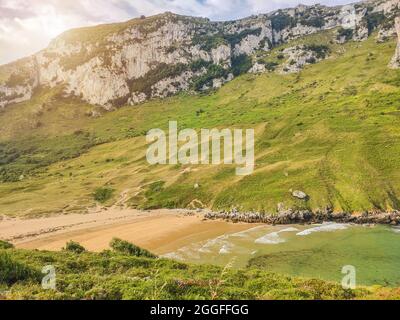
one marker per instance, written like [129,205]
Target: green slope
[113,276]
[331,130]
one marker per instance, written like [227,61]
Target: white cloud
[27,26]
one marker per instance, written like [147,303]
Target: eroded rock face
[19,88]
[159,56]
[395,63]
[299,56]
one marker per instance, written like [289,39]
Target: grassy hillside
[116,275]
[331,130]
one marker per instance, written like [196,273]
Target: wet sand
[160,231]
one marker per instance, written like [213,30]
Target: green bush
[346,33]
[373,20]
[162,71]
[214,72]
[128,248]
[199,64]
[12,271]
[320,50]
[241,64]
[6,245]
[317,22]
[16,79]
[74,247]
[236,38]
[102,195]
[271,65]
[208,42]
[281,21]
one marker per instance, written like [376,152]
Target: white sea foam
[270,238]
[245,233]
[396,229]
[326,227]
[213,242]
[274,238]
[290,229]
[226,248]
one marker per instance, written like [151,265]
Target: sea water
[317,251]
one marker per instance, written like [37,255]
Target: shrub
[241,64]
[317,22]
[346,33]
[282,20]
[12,271]
[208,42]
[311,60]
[128,248]
[6,245]
[162,71]
[102,195]
[214,72]
[320,50]
[199,64]
[373,20]
[270,65]
[74,247]
[16,80]
[236,38]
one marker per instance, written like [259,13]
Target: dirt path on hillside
[160,231]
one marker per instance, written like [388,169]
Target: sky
[27,26]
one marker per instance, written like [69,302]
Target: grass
[13,271]
[331,131]
[130,249]
[117,275]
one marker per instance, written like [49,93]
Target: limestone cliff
[130,62]
[395,63]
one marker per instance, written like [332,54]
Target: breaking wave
[326,227]
[271,238]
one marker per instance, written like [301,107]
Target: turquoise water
[318,251]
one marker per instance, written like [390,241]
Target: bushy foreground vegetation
[331,131]
[119,274]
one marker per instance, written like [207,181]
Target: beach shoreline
[160,231]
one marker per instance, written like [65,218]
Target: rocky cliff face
[131,62]
[395,63]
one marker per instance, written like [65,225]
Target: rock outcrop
[291,216]
[395,63]
[144,58]
[300,56]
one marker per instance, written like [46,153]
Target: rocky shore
[292,216]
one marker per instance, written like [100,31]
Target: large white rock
[395,62]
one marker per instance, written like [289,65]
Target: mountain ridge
[155,57]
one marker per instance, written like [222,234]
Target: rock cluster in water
[292,216]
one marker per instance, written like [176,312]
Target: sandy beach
[160,231]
